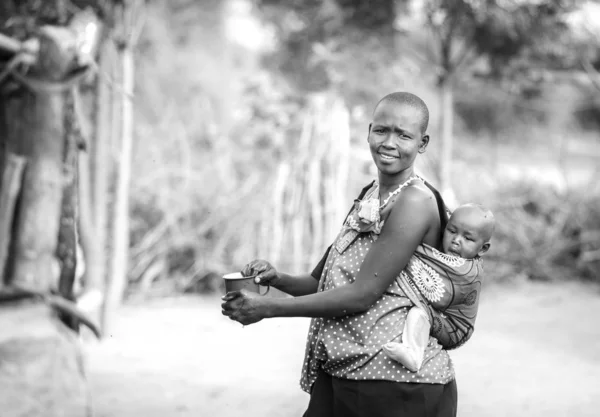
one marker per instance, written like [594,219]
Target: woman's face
[396,137]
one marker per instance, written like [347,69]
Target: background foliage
[215,119]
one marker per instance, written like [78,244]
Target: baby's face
[465,235]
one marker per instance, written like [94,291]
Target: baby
[444,286]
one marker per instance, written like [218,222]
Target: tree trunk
[89,232]
[66,252]
[93,202]
[39,212]
[41,371]
[12,176]
[117,280]
[447,139]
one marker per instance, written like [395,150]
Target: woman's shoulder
[416,205]
[417,194]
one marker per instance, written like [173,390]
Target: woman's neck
[389,183]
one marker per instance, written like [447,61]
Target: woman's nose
[388,141]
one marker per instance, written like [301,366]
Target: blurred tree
[336,45]
[47,52]
[128,18]
[353,47]
[504,37]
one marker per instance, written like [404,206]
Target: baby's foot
[404,354]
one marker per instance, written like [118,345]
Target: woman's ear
[424,143]
[484,248]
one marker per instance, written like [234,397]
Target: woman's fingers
[240,306]
[265,273]
[232,302]
[256,267]
[263,277]
[231,295]
[252,268]
[248,270]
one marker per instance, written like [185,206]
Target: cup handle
[266,292]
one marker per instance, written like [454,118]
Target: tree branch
[593,74]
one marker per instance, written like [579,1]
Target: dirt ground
[536,352]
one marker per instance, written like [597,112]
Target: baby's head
[468,231]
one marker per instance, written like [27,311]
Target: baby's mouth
[453,253]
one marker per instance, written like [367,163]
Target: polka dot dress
[350,347]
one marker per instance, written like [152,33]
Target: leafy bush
[544,235]
[493,110]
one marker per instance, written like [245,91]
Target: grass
[536,352]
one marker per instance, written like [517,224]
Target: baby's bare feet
[404,354]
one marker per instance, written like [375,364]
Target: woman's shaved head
[411,100]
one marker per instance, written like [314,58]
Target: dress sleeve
[316,273]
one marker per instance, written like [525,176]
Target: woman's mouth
[387,157]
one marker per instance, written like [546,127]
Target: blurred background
[251,122]
[223,131]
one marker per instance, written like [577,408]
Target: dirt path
[536,352]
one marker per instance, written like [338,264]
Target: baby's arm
[415,337]
[451,329]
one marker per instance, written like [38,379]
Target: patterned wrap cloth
[447,288]
[350,347]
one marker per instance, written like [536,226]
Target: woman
[353,296]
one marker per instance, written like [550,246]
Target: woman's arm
[296,285]
[411,218]
[303,284]
[266,274]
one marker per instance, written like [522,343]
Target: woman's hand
[265,273]
[244,307]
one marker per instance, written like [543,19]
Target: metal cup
[236,281]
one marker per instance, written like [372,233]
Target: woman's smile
[387,156]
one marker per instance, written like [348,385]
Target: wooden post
[61,49]
[45,376]
[117,279]
[129,18]
[39,212]
[66,251]
[447,139]
[11,185]
[99,172]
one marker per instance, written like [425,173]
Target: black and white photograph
[301,208]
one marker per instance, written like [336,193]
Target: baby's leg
[411,351]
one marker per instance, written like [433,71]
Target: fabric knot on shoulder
[366,217]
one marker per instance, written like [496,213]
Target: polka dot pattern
[351,346]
